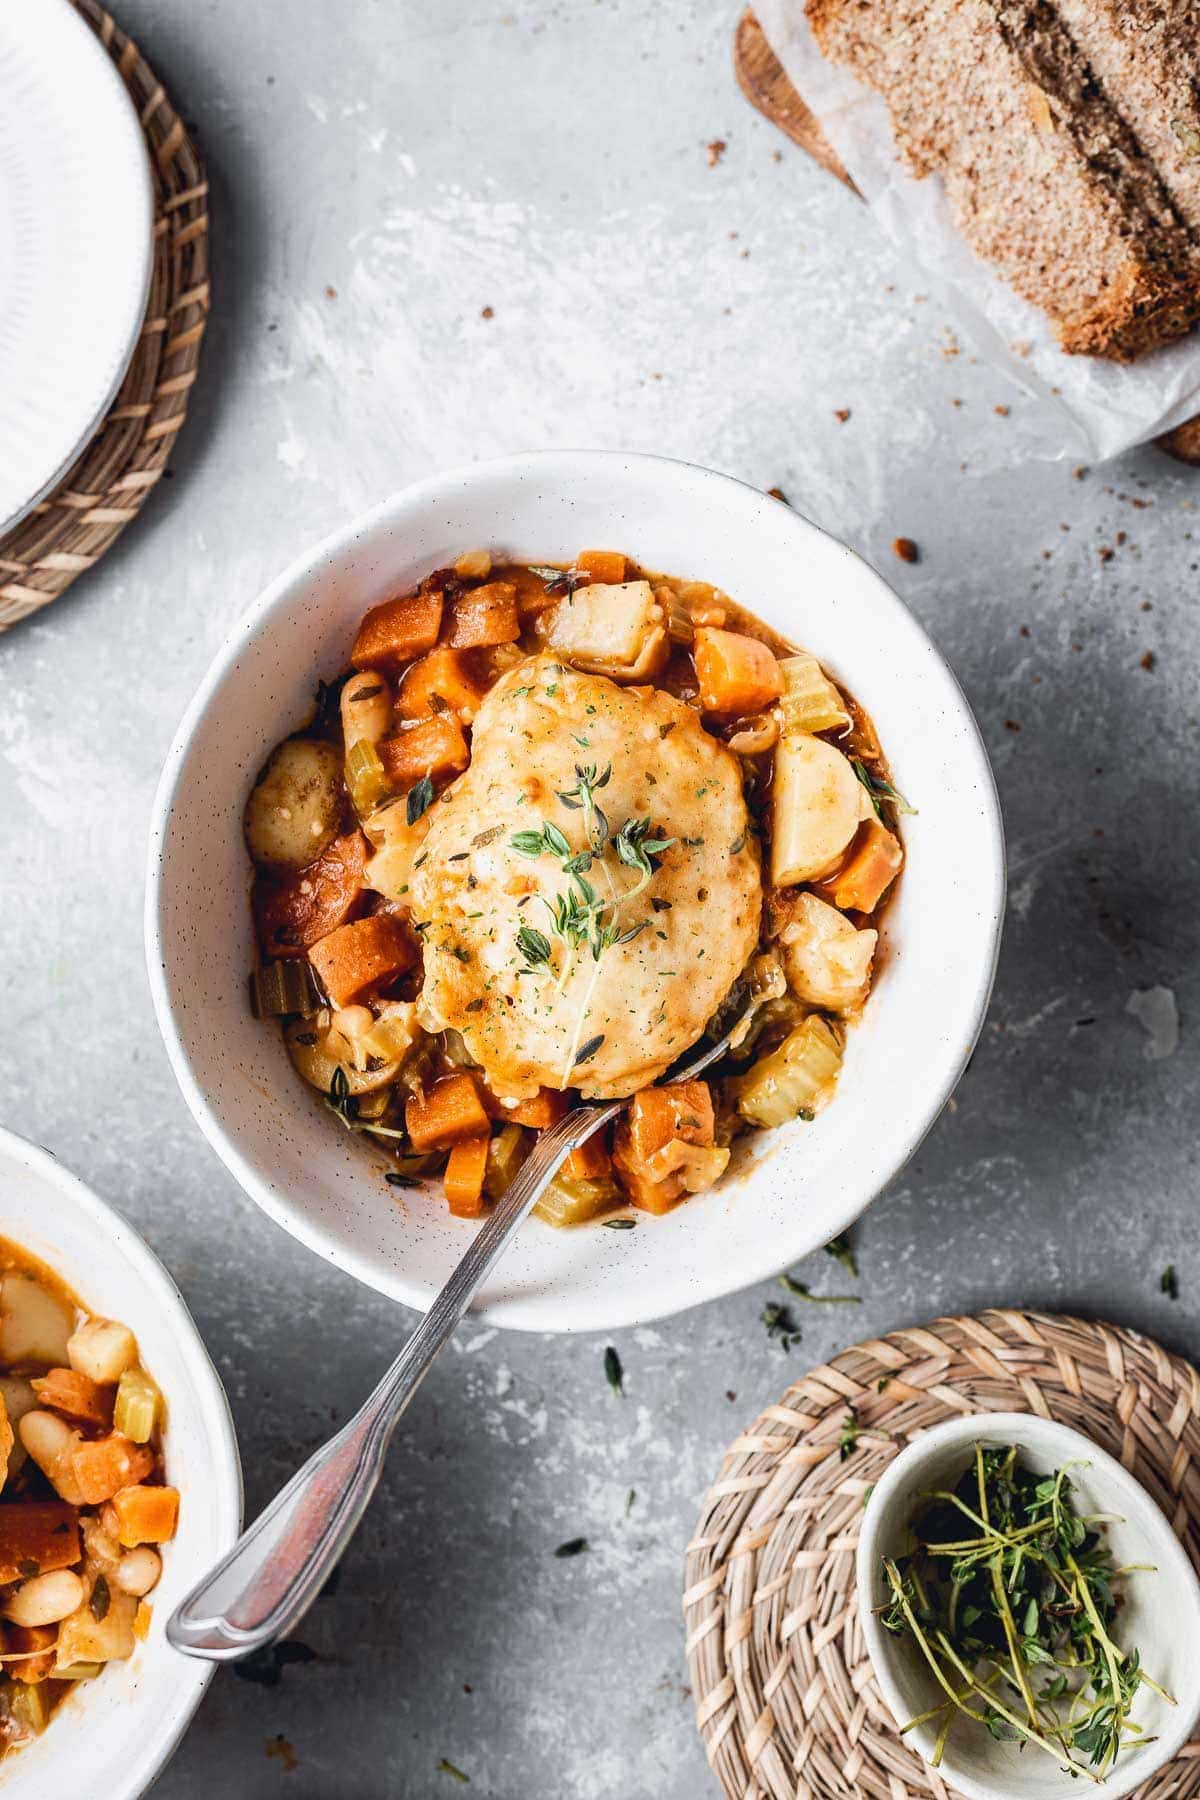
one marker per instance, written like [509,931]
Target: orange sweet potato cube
[392,634]
[101,1468]
[484,615]
[591,1161]
[366,954]
[446,1113]
[435,747]
[603,566]
[463,1180]
[144,1515]
[737,675]
[76,1396]
[31,1648]
[440,682]
[37,1537]
[873,864]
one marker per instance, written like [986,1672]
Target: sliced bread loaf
[1044,175]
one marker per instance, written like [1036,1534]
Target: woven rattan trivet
[785,1700]
[73,527]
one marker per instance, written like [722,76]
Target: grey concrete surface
[382,172]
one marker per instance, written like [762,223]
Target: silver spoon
[272,1575]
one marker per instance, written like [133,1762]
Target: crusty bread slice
[1146,56]
[1043,175]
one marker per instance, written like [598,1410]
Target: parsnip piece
[818,805]
[613,629]
[34,1323]
[828,962]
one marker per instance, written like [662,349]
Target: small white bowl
[123,1727]
[797,1186]
[1160,1616]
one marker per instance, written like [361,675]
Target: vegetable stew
[551,827]
[84,1507]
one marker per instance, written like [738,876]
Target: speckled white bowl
[797,1186]
[1161,1613]
[122,1728]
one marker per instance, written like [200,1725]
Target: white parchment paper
[1089,408]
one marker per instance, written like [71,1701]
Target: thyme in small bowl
[1010,1596]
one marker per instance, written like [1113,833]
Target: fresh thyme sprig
[582,798]
[1009,1596]
[344,1105]
[883,794]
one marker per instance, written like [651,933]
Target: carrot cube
[76,1396]
[464,1177]
[144,1515]
[108,1464]
[435,747]
[606,566]
[446,1113]
[545,1108]
[873,865]
[484,615]
[366,954]
[678,1109]
[392,634]
[37,1538]
[737,674]
[438,683]
[590,1162]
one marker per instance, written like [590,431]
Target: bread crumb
[1001,412]
[905,549]
[1120,538]
[487,312]
[331,293]
[280,1747]
[1106,553]
[1011,725]
[716,151]
[956,401]
[1080,471]
[1146,606]
[841,414]
[1148,660]
[777,493]
[1025,631]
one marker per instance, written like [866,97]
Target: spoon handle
[264,1585]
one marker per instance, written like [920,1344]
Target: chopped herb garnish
[882,793]
[613,1372]
[780,1324]
[802,1292]
[586,1051]
[630,1497]
[850,1433]
[487,837]
[395,1178]
[549,840]
[420,799]
[100,1600]
[367,693]
[1168,1282]
[619,1224]
[572,1547]
[839,1248]
[448,1768]
[534,947]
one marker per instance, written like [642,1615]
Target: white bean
[138,1570]
[45,1599]
[366,708]
[50,1441]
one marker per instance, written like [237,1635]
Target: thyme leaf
[613,1372]
[420,799]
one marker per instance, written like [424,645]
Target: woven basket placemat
[785,1699]
[108,484]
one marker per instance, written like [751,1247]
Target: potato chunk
[819,803]
[102,1349]
[828,962]
[611,628]
[34,1323]
[293,811]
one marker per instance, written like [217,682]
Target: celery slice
[79,1671]
[796,1079]
[280,989]
[506,1153]
[136,1407]
[569,1202]
[365,777]
[810,702]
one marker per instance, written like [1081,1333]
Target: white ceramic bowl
[1161,1613]
[801,1184]
[123,1727]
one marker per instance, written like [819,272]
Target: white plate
[122,1728]
[76,229]
[800,1184]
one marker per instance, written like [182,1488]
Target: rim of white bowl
[148,1761]
[1142,1510]
[515,1314]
